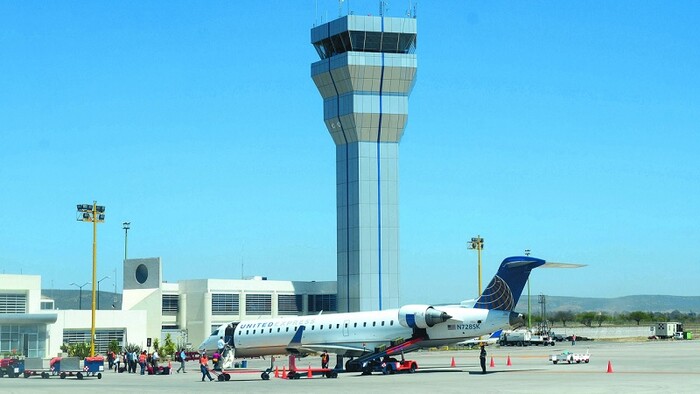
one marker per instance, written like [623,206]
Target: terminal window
[224,304]
[258,304]
[102,338]
[13,303]
[289,304]
[27,340]
[170,304]
[322,303]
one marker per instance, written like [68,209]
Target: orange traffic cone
[277,372]
[284,372]
[452,364]
[308,372]
[610,370]
[508,363]
[492,363]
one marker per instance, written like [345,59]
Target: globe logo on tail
[496,295]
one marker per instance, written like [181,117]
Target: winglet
[296,340]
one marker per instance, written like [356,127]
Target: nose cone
[516,320]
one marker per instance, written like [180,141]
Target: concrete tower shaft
[366,72]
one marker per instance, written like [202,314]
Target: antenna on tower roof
[411,12]
[383,6]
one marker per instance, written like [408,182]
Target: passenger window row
[313,327]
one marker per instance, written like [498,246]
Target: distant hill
[69,299]
[645,303]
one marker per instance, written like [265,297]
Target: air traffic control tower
[366,72]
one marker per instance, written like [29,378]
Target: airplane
[367,336]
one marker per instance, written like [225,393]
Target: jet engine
[421,316]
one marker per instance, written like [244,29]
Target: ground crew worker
[203,366]
[482,358]
[324,359]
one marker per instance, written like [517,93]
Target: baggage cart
[71,366]
[12,367]
[35,366]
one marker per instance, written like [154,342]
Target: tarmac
[636,367]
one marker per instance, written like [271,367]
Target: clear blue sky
[569,128]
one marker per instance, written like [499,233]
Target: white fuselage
[352,334]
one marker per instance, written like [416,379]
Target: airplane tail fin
[504,290]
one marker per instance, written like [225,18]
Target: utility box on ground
[666,329]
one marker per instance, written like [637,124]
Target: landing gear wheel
[265,376]
[351,366]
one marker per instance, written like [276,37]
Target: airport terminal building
[188,310]
[24,324]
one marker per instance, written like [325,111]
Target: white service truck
[543,340]
[515,338]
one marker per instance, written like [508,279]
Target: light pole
[529,317]
[126,226]
[98,291]
[80,296]
[96,214]
[477,243]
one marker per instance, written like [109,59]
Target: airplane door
[346,331]
[228,333]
